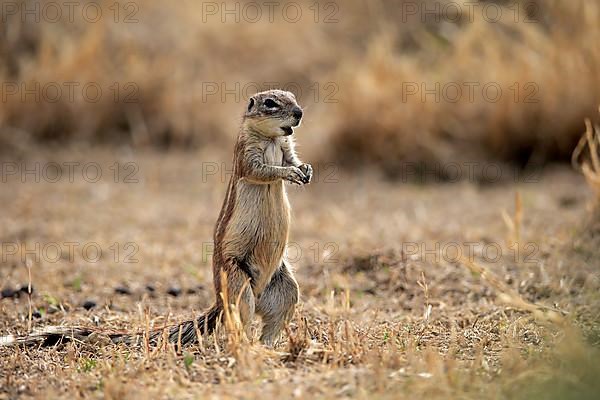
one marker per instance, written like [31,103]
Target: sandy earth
[386,305]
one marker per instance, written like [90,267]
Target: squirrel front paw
[294,175]
[307,170]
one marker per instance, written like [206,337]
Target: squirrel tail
[184,333]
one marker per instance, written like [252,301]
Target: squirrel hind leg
[277,303]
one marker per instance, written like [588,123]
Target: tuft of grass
[591,171]
[76,283]
[188,360]
[51,300]
[87,364]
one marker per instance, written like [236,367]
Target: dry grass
[591,139]
[382,122]
[387,309]
[366,58]
[376,320]
[167,58]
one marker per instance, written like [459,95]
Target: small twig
[29,321]
[423,285]
[518,217]
[510,296]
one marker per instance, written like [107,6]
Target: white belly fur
[274,154]
[258,229]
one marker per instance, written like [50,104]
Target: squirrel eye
[271,104]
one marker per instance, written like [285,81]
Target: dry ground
[384,312]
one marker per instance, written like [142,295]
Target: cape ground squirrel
[251,232]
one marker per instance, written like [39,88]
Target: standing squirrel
[251,233]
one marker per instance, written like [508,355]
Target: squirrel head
[273,113]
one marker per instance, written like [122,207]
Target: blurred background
[383,82]
[434,127]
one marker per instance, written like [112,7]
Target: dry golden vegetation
[408,289]
[364,70]
[590,142]
[384,312]
[169,55]
[544,64]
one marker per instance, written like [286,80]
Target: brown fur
[251,232]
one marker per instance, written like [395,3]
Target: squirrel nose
[297,112]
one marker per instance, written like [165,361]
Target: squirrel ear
[251,104]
